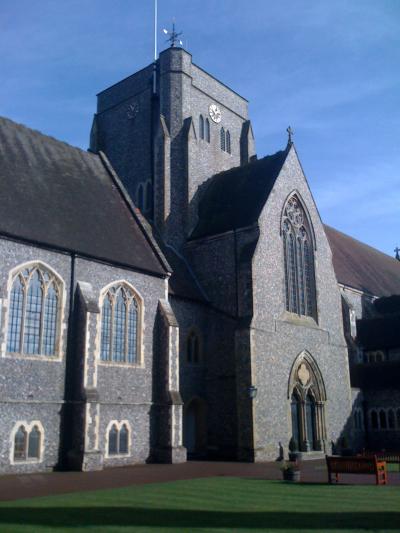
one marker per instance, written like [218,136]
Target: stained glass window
[119,326]
[33,313]
[298,260]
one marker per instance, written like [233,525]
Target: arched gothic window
[201,127]
[228,142]
[119,325]
[307,397]
[118,439]
[33,324]
[193,348]
[27,443]
[222,139]
[298,260]
[208,134]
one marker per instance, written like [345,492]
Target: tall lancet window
[201,126]
[207,130]
[299,260]
[120,313]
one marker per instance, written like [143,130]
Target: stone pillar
[92,457]
[168,444]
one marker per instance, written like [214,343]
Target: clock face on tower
[215,113]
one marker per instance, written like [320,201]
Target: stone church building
[167,294]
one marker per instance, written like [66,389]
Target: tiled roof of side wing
[60,196]
[362,267]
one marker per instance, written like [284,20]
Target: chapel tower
[167,129]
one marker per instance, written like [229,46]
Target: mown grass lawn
[220,504]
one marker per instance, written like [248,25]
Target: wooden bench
[356,465]
[388,457]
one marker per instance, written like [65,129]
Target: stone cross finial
[397,250]
[290,134]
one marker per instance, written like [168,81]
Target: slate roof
[362,267]
[234,198]
[63,197]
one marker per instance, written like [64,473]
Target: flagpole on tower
[155,28]
[155,47]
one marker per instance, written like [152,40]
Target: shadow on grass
[139,517]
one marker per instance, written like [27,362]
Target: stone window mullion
[42,313]
[112,329]
[126,332]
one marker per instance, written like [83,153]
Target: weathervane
[290,134]
[397,250]
[173,36]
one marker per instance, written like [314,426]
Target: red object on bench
[356,465]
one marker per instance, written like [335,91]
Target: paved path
[14,487]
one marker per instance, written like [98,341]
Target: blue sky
[329,68]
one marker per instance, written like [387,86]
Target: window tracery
[119,325]
[298,260]
[34,312]
[307,404]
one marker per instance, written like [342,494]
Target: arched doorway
[307,396]
[195,428]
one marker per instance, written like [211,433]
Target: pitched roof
[362,267]
[234,198]
[63,197]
